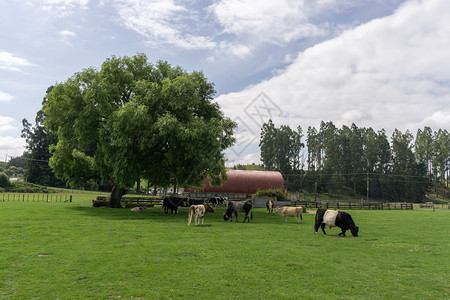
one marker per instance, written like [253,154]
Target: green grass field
[74,251]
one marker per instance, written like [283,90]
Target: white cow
[291,212]
[139,208]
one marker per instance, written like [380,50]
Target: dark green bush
[278,193]
[4,181]
[26,187]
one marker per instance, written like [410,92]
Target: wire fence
[355,205]
[34,197]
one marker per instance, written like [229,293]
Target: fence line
[34,197]
[354,205]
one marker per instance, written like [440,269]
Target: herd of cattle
[198,209]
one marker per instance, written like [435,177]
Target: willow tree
[131,119]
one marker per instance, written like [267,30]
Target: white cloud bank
[10,62]
[9,146]
[5,97]
[234,27]
[389,73]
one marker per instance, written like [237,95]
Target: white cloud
[389,73]
[239,50]
[5,97]
[10,62]
[10,146]
[66,36]
[233,159]
[241,25]
[6,123]
[67,33]
[64,8]
[280,21]
[162,21]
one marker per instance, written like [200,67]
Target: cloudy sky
[375,63]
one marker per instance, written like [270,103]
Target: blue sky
[377,63]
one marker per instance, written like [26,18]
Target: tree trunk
[138,185]
[116,197]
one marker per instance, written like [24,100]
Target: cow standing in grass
[333,218]
[235,207]
[198,211]
[286,211]
[269,207]
[173,203]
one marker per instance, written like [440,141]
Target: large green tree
[132,118]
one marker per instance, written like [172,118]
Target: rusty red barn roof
[247,182]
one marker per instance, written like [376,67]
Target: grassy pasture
[74,251]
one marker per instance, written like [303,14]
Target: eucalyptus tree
[331,154]
[441,157]
[408,176]
[296,149]
[423,147]
[133,118]
[314,149]
[377,153]
[354,157]
[267,145]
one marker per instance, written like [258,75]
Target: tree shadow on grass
[154,214]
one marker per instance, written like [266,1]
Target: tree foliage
[4,180]
[281,150]
[133,119]
[363,161]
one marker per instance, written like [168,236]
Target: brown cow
[291,212]
[269,206]
[199,211]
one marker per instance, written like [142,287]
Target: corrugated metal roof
[247,182]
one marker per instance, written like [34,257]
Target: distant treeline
[359,161]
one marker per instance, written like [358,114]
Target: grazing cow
[269,206]
[235,207]
[172,203]
[139,208]
[291,212]
[195,202]
[333,218]
[199,211]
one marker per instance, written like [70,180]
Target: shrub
[278,193]
[26,187]
[4,181]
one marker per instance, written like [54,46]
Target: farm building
[246,182]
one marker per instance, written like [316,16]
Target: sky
[383,64]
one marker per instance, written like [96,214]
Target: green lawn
[74,251]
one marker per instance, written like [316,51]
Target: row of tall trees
[360,161]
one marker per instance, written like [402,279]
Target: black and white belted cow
[333,218]
[216,201]
[235,207]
